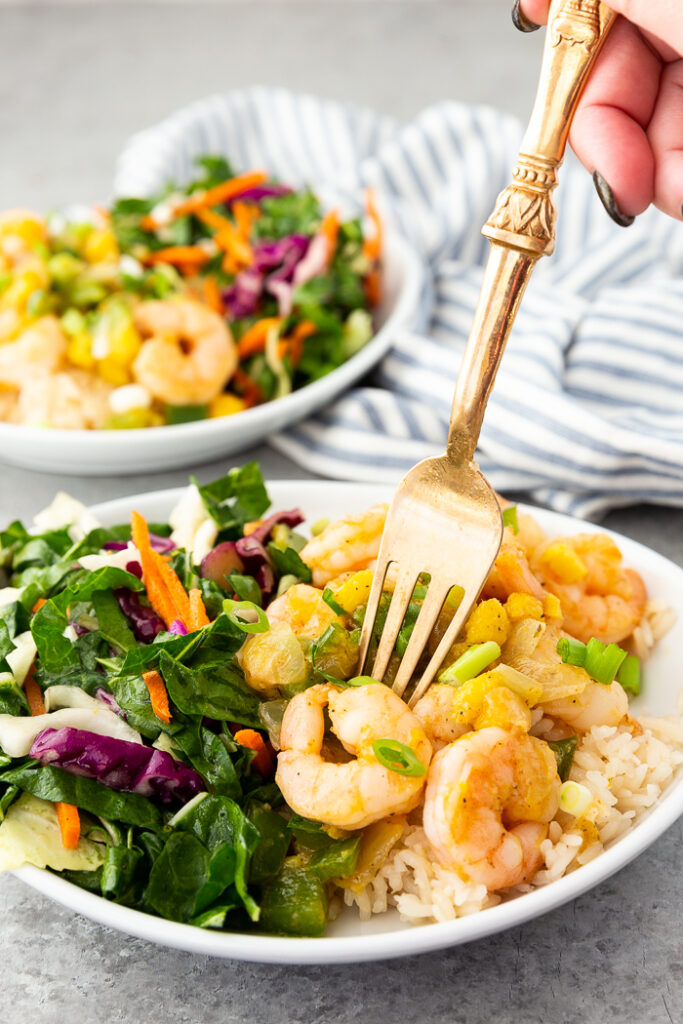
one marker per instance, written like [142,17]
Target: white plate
[348,940]
[112,452]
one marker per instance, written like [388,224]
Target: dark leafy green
[235,499]
[55,785]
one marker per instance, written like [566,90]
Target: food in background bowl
[172,669]
[194,304]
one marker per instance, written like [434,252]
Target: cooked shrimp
[606,601]
[302,609]
[69,400]
[361,791]
[20,230]
[38,350]
[346,545]
[511,574]
[447,712]
[597,704]
[188,355]
[489,797]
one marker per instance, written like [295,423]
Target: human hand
[628,127]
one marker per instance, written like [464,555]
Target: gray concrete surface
[75,81]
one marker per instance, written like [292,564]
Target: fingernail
[608,201]
[520,20]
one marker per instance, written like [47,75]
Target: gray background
[75,81]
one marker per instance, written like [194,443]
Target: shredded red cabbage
[145,622]
[252,551]
[119,764]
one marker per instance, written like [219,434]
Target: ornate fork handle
[522,225]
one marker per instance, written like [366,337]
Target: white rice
[658,618]
[626,768]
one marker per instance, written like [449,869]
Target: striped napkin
[587,410]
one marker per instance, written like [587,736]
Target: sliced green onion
[510,518]
[247,616]
[629,674]
[318,526]
[455,596]
[471,663]
[398,757]
[363,681]
[328,598]
[564,754]
[286,581]
[572,652]
[574,798]
[603,663]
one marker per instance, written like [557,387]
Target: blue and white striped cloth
[587,411]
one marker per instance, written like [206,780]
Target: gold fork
[444,518]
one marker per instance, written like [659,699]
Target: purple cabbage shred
[118,764]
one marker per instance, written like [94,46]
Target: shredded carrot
[159,599]
[253,740]
[166,593]
[198,616]
[293,344]
[245,214]
[69,825]
[212,219]
[372,287]
[176,591]
[34,695]
[254,340]
[250,391]
[219,193]
[157,695]
[187,256]
[67,814]
[250,527]
[330,229]
[212,295]
[372,247]
[38,605]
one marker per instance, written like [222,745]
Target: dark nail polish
[608,201]
[520,20]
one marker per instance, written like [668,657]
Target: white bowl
[112,452]
[348,939]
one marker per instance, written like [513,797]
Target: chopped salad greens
[134,757]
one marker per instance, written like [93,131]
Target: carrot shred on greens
[372,246]
[38,605]
[165,592]
[330,229]
[198,616]
[34,695]
[69,825]
[254,339]
[212,295]
[67,814]
[184,255]
[157,695]
[263,762]
[176,591]
[220,193]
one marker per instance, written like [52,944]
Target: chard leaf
[215,690]
[209,755]
[111,622]
[235,499]
[287,561]
[56,651]
[221,825]
[53,784]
